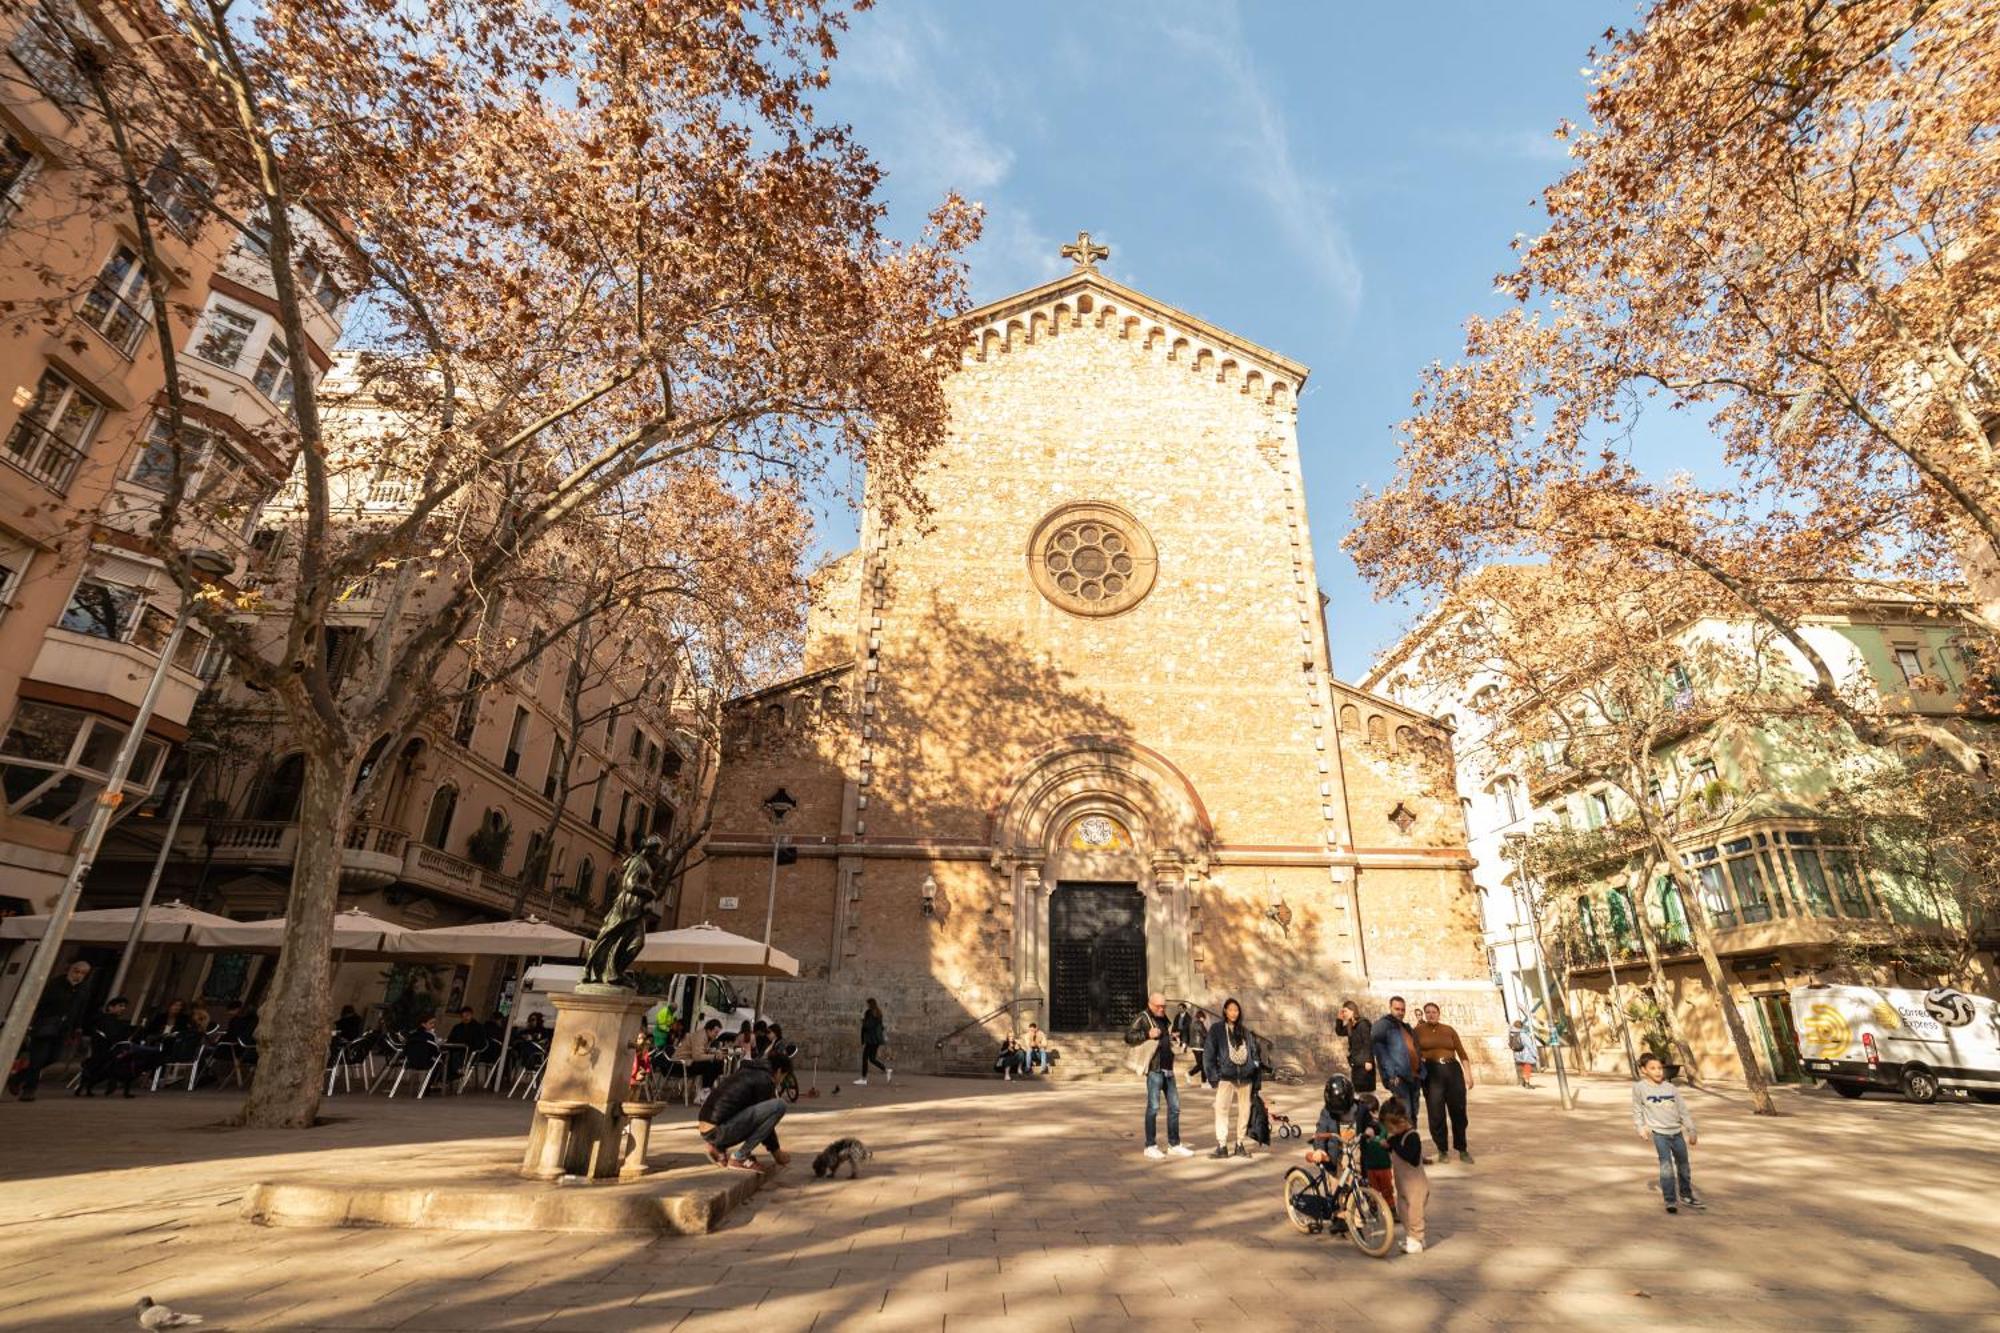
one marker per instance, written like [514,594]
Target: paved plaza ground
[1028,1204]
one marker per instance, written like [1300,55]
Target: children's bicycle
[1318,1200]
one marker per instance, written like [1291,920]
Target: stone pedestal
[578,1129]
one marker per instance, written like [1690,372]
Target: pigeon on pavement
[152,1314]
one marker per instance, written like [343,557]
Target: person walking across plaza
[874,1036]
[1527,1052]
[1659,1114]
[1447,1076]
[1151,1038]
[742,1111]
[1230,1062]
[1406,1162]
[64,1007]
[1352,1025]
[1397,1061]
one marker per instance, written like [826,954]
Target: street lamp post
[1524,906]
[215,565]
[198,753]
[777,805]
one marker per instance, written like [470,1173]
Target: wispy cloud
[1303,206]
[930,140]
[1520,145]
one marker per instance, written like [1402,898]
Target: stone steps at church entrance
[1097,1057]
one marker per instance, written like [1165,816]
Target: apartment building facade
[1783,885]
[85,607]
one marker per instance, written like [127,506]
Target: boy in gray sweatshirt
[1659,1113]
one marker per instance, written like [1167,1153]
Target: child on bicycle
[1413,1187]
[1336,1110]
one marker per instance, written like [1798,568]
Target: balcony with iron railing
[114,318]
[41,453]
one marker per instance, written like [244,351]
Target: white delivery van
[719,999]
[1918,1041]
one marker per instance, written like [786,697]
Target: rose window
[1092,559]
[1089,561]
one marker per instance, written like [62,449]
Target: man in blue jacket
[1396,1058]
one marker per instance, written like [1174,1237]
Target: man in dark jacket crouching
[742,1112]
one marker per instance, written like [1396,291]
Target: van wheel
[1920,1085]
[1851,1091]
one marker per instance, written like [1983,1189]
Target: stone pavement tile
[1156,1304]
[567,1295]
[455,1316]
[978,1323]
[690,1295]
[901,1300]
[915,1279]
[816,1273]
[625,1320]
[347,1314]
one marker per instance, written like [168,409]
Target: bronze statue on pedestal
[608,963]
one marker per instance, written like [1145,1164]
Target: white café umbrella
[530,937]
[354,931]
[171,923]
[713,951]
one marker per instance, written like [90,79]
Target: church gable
[1086,298]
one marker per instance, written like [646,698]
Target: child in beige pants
[1413,1187]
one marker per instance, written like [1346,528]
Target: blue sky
[1335,181]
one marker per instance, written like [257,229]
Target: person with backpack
[1230,1061]
[1527,1053]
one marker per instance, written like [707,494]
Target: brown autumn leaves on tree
[1781,218]
[601,246]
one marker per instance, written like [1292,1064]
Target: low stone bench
[555,1131]
[637,1122]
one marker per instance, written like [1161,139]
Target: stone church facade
[1075,736]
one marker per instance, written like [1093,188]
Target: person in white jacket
[1659,1113]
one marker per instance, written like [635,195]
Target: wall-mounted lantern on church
[930,895]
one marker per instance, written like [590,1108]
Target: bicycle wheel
[1370,1225]
[1299,1181]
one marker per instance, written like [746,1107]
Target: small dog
[849,1152]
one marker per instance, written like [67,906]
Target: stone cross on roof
[1084,253]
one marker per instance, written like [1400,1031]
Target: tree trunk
[298,1008]
[1718,980]
[1662,994]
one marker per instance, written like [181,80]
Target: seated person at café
[760,1039]
[697,1053]
[348,1026]
[471,1039]
[112,1058]
[422,1048]
[239,1030]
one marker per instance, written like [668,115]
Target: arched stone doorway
[1106,843]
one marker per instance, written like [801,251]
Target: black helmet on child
[1339,1095]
